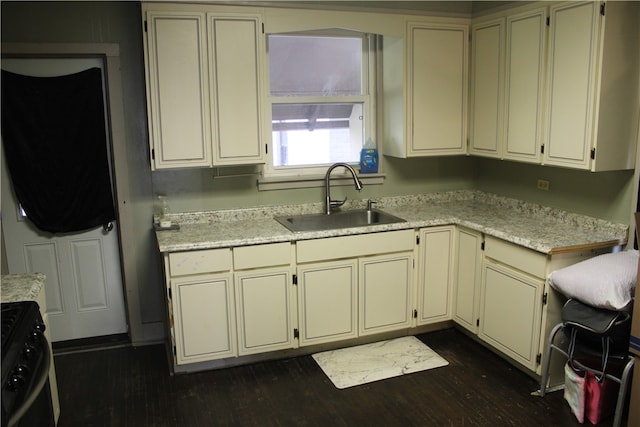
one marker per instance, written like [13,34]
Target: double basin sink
[346,219]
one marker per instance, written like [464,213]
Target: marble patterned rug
[352,366]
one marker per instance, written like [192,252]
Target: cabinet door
[510,315]
[235,58]
[327,301]
[487,83]
[437,89]
[435,274]
[263,307]
[573,42]
[468,277]
[177,88]
[385,293]
[525,62]
[204,318]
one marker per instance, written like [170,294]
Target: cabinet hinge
[593,154]
[145,26]
[602,7]
[294,279]
[548,21]
[538,358]
[415,314]
[296,333]
[417,240]
[482,246]
[544,299]
[542,149]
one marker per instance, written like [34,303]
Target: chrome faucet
[329,204]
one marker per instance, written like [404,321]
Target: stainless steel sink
[346,219]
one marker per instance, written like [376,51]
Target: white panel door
[84,280]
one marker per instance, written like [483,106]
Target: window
[320,92]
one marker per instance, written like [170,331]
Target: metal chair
[594,333]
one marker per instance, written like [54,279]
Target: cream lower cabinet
[511,311]
[327,301]
[468,274]
[435,274]
[385,293]
[201,305]
[352,286]
[518,308]
[265,299]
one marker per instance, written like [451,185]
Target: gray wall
[605,195]
[108,22]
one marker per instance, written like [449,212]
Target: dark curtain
[53,130]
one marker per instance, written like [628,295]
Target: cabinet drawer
[355,246]
[198,262]
[523,259]
[272,255]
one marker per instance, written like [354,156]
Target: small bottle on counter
[161,212]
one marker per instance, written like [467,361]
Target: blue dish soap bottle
[369,157]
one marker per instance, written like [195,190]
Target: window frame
[367,98]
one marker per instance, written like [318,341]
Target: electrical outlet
[543,185]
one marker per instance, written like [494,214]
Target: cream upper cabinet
[204,83]
[487,86]
[592,116]
[425,90]
[507,86]
[235,61]
[435,274]
[524,85]
[177,81]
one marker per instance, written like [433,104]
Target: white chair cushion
[606,281]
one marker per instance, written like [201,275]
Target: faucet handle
[370,204]
[337,203]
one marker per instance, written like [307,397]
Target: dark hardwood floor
[132,387]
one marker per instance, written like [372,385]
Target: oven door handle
[41,381]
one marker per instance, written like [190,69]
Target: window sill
[291,182]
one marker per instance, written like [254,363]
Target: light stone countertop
[543,229]
[21,287]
